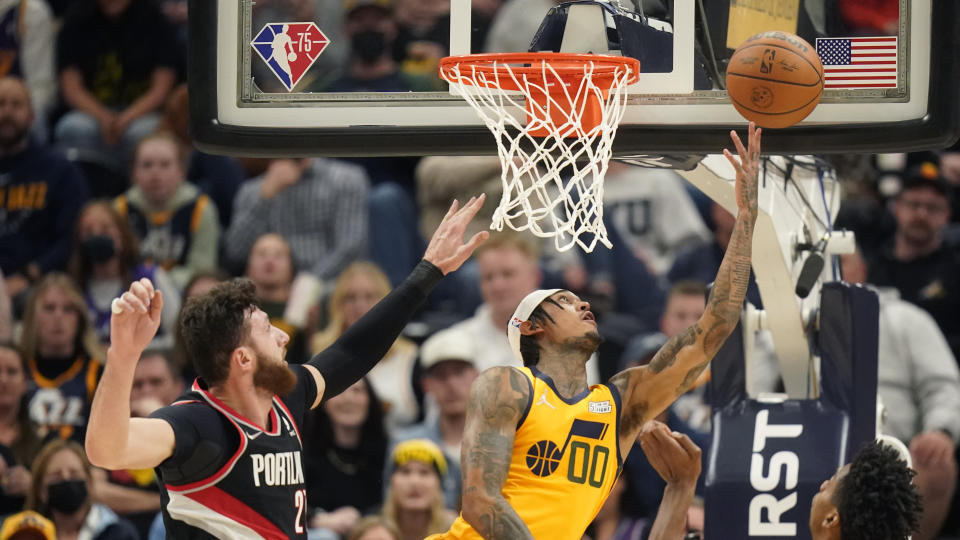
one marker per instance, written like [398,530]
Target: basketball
[775,79]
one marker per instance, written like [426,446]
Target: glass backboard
[359,77]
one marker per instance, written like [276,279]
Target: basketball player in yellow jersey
[541,449]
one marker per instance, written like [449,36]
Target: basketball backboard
[279,77]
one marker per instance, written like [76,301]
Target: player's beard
[274,377]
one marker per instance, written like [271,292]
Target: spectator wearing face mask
[61,491]
[105,260]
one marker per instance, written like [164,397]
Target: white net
[556,154]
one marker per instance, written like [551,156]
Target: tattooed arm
[498,399]
[646,391]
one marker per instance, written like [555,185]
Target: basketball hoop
[573,104]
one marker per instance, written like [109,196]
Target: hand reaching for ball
[135,318]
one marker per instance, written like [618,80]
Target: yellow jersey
[566,458]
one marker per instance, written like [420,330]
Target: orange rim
[568,66]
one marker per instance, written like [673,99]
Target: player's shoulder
[502,385]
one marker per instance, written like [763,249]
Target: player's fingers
[739,144]
[733,161]
[451,210]
[476,240]
[122,306]
[140,292]
[134,302]
[156,305]
[688,444]
[148,285]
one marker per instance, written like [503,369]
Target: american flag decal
[860,62]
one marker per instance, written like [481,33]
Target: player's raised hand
[135,318]
[747,167]
[674,456]
[446,250]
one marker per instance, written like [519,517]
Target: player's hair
[509,240]
[687,288]
[85,341]
[128,253]
[529,348]
[876,499]
[214,324]
[39,470]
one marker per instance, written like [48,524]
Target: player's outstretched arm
[498,399]
[367,340]
[677,459]
[114,440]
[646,391]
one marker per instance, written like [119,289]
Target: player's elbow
[100,455]
[475,504]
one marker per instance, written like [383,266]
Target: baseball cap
[522,313]
[927,174]
[422,450]
[448,344]
[21,525]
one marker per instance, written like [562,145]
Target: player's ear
[832,519]
[242,357]
[530,328]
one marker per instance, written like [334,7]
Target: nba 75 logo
[290,49]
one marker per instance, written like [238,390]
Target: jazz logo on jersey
[587,463]
[290,49]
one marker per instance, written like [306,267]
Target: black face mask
[369,45]
[68,496]
[98,248]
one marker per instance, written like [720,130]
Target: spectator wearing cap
[448,371]
[27,525]
[918,262]
[414,499]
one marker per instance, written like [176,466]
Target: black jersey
[229,478]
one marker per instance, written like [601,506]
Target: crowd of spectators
[100,185]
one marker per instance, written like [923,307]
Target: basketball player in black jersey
[228,452]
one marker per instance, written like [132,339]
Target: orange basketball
[775,79]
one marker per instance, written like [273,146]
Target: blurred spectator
[270,267]
[41,195]
[514,25]
[700,263]
[508,268]
[950,165]
[613,520]
[318,205]
[156,383]
[871,17]
[62,489]
[919,384]
[19,441]
[372,31]
[27,525]
[374,528]
[105,261]
[217,176]
[414,500]
[118,61]
[176,13]
[6,312]
[423,36]
[27,29]
[918,262]
[63,355]
[448,371]
[653,214]
[177,225]
[345,447]
[359,288]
